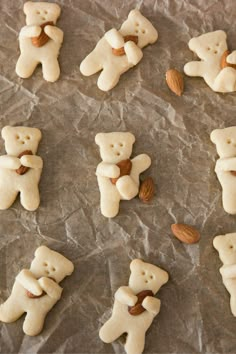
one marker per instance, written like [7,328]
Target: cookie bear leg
[109,205]
[7,197]
[30,198]
[110,331]
[10,311]
[229,199]
[127,188]
[33,323]
[91,64]
[25,66]
[108,78]
[135,342]
[51,69]
[226,80]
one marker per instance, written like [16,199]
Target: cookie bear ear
[218,242]
[134,13]
[42,250]
[27,7]
[5,131]
[193,44]
[221,34]
[99,138]
[215,135]
[69,267]
[136,263]
[131,137]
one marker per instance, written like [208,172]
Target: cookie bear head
[226,246]
[51,264]
[138,25]
[225,141]
[209,45]
[115,147]
[38,13]
[19,139]
[145,276]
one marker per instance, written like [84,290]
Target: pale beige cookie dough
[114,185]
[36,290]
[226,246]
[135,306]
[225,141]
[40,41]
[119,50]
[210,48]
[21,168]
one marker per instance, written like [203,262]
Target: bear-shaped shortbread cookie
[119,50]
[20,169]
[116,148]
[226,246]
[209,48]
[225,140]
[41,20]
[135,306]
[36,290]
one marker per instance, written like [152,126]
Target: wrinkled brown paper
[195,315]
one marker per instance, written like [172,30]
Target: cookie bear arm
[108,170]
[51,288]
[195,68]
[55,33]
[32,161]
[231,58]
[30,31]
[9,162]
[114,38]
[141,163]
[126,296]
[227,164]
[152,304]
[229,271]
[133,52]
[28,281]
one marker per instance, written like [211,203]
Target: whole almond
[224,63]
[175,81]
[43,37]
[125,168]
[137,309]
[32,296]
[23,169]
[147,189]
[121,51]
[185,233]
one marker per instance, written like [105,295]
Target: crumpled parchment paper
[195,315]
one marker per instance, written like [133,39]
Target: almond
[233,173]
[43,37]
[147,189]
[137,309]
[125,168]
[185,233]
[175,81]
[224,63]
[32,296]
[121,51]
[23,169]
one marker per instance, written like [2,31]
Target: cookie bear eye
[151,276]
[45,12]
[121,145]
[111,145]
[231,246]
[17,137]
[143,273]
[137,24]
[27,137]
[38,12]
[228,141]
[208,48]
[45,264]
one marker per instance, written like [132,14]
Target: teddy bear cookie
[135,306]
[20,169]
[40,41]
[210,48]
[225,141]
[36,290]
[117,174]
[226,246]
[119,50]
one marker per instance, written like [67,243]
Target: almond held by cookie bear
[40,41]
[36,290]
[210,48]
[117,174]
[135,306]
[21,168]
[119,50]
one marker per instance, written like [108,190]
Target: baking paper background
[195,316]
